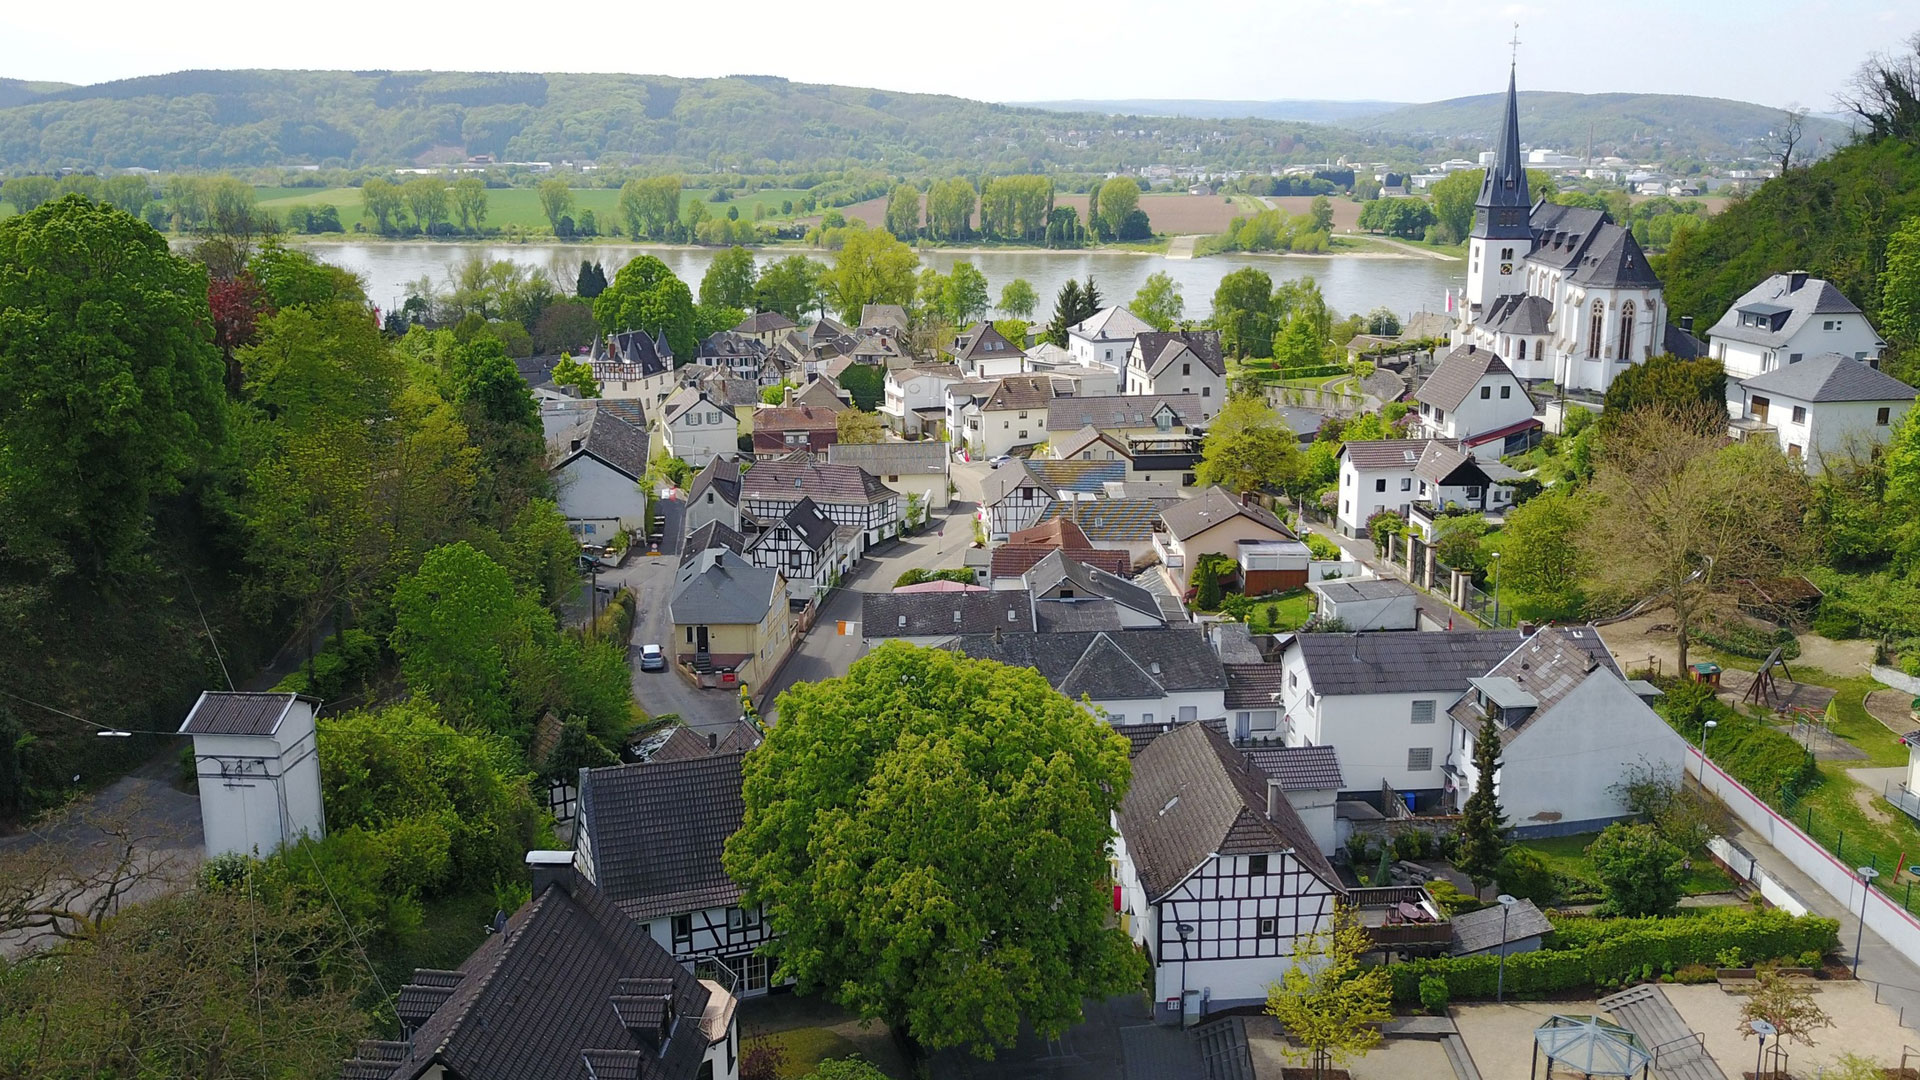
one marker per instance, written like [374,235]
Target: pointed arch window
[1523,349]
[1596,326]
[1626,331]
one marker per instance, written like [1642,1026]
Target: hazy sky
[1770,51]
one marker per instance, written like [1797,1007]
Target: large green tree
[450,626]
[728,281]
[110,384]
[929,832]
[1243,312]
[645,295]
[872,267]
[903,211]
[790,286]
[1639,870]
[1665,382]
[1119,197]
[1541,558]
[1249,448]
[1017,298]
[1158,303]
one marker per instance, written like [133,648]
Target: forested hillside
[235,119]
[1637,126]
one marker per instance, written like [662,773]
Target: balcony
[1903,797]
[1402,918]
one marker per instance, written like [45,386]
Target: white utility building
[257,760]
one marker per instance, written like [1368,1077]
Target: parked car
[999,459]
[652,659]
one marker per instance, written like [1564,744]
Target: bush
[1767,761]
[1324,549]
[1740,637]
[1523,873]
[1433,994]
[343,665]
[1385,523]
[1639,870]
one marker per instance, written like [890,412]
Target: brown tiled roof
[1193,796]
[1252,686]
[1059,532]
[1191,517]
[1300,768]
[795,418]
[1020,392]
[1387,453]
[1013,560]
[824,482]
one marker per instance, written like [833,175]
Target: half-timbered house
[1217,876]
[849,495]
[807,547]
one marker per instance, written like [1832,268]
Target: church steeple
[1502,210]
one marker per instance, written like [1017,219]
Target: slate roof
[1520,314]
[1125,410]
[1678,342]
[1108,666]
[656,831]
[826,483]
[764,322]
[1444,463]
[1396,454]
[1128,520]
[612,441]
[1020,392]
[714,534]
[1160,346]
[878,315]
[808,522]
[1300,768]
[632,410]
[946,614]
[1613,260]
[1831,377]
[221,712]
[1069,448]
[1546,668]
[821,394]
[1252,686]
[1191,517]
[1013,560]
[1777,295]
[559,984]
[1059,567]
[1110,324]
[982,342]
[1458,374]
[687,398]
[1477,931]
[926,457]
[646,354]
[1193,796]
[721,590]
[721,476]
[1401,662]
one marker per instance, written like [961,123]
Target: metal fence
[1896,881]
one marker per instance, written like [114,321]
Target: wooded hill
[240,119]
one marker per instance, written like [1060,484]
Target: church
[1561,293]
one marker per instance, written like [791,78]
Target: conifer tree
[1483,827]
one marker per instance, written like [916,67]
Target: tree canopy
[645,295]
[929,833]
[872,267]
[1249,448]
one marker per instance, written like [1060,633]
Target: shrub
[1639,870]
[1323,549]
[1524,873]
[1433,994]
[343,665]
[1452,900]
[1383,524]
[1741,637]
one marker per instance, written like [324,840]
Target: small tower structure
[257,760]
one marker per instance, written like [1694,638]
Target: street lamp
[1496,590]
[1184,929]
[1867,874]
[1506,909]
[1704,728]
[1762,1029]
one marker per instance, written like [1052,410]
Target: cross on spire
[1515,62]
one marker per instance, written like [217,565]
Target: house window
[1793,358]
[1506,254]
[1799,414]
[1186,369]
[1523,356]
[1257,865]
[1206,391]
[1758,407]
[1882,417]
[1406,483]
[742,919]
[1507,391]
[753,972]
[1473,492]
[1595,327]
[1269,927]
[1486,392]
[1380,484]
[893,479]
[1794,451]
[1420,759]
[1423,712]
[682,931]
[1262,720]
[1626,331]
[1293,679]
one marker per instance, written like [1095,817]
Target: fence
[1885,915]
[1858,853]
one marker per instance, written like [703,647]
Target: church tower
[1502,232]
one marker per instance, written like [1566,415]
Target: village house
[1106,339]
[1130,416]
[918,471]
[1375,603]
[1012,416]
[1784,320]
[1010,561]
[610,1000]
[1820,408]
[633,364]
[1121,523]
[935,618]
[765,327]
[1128,676]
[641,842]
[780,429]
[1400,474]
[884,318]
[1076,380]
[1069,594]
[1218,877]
[1382,698]
[914,402]
[849,495]
[596,473]
[696,428]
[808,549]
[1473,397]
[1183,362]
[1270,557]
[1168,458]
[1310,778]
[731,627]
[982,353]
[736,354]
[1450,481]
[1570,727]
[713,495]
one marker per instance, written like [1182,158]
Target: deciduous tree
[1242,312]
[450,623]
[645,295]
[859,426]
[382,201]
[1017,298]
[1329,1003]
[1119,197]
[1638,869]
[470,203]
[1542,557]
[790,286]
[903,211]
[556,199]
[1788,1004]
[1158,303]
[929,832]
[871,268]
[578,374]
[1248,448]
[728,281]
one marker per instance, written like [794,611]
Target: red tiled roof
[1013,560]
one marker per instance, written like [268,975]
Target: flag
[1449,301]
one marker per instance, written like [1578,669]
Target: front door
[700,640]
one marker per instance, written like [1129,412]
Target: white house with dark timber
[1217,876]
[1474,397]
[650,836]
[848,494]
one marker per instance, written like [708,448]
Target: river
[1351,283]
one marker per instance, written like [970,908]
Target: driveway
[1116,1041]
[826,652]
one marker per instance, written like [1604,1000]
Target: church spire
[1504,190]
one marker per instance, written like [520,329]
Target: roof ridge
[507,940]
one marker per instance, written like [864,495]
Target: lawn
[1290,613]
[521,206]
[801,1049]
[1849,717]
[1568,855]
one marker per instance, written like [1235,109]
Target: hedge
[1602,953]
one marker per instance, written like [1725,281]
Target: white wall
[1476,414]
[1373,732]
[715,434]
[1206,705]
[1389,613]
[1852,336]
[1359,500]
[591,490]
[1316,810]
[710,507]
[1000,430]
[1561,767]
[257,793]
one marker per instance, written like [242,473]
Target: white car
[652,659]
[999,459]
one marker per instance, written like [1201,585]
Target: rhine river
[1351,283]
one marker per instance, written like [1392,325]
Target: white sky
[1773,52]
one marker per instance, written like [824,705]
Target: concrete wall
[257,793]
[590,490]
[1562,766]
[1390,613]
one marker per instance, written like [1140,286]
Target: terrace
[1402,918]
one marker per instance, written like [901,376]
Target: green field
[521,206]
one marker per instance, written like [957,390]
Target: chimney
[1686,324]
[1796,281]
[551,868]
[1274,797]
[996,636]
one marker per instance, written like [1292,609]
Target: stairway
[1678,1053]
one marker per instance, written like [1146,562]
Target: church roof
[1520,316]
[1614,260]
[1505,185]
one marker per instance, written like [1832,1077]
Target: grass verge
[1568,855]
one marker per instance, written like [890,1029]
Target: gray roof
[1477,931]
[1108,666]
[1678,342]
[826,483]
[764,322]
[1613,260]
[1348,590]
[1075,616]
[1300,768]
[1458,374]
[928,456]
[1520,315]
[1194,796]
[1831,377]
[714,534]
[656,830]
[1058,566]
[719,589]
[946,614]
[722,477]
[569,980]
[1401,662]
[1537,675]
[1191,517]
[877,315]
[1110,324]
[220,712]
[1786,302]
[1396,454]
[809,523]
[608,439]
[1443,462]
[1113,521]
[1154,345]
[1125,410]
[1505,184]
